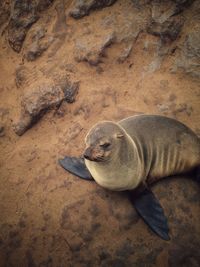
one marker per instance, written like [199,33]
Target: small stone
[70,91]
[23,124]
[70,68]
[125,53]
[2,133]
[21,75]
[163,107]
[99,69]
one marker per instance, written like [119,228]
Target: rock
[164,23]
[60,24]
[163,10]
[39,44]
[2,133]
[87,50]
[43,4]
[189,58]
[70,91]
[125,53]
[192,44]
[21,75]
[25,122]
[172,6]
[24,13]
[181,5]
[168,30]
[83,7]
[4,12]
[42,98]
[38,33]
[91,46]
[70,68]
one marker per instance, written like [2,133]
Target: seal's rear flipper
[76,166]
[151,211]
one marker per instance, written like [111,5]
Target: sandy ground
[51,218]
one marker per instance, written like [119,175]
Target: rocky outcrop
[180,5]
[83,7]
[90,52]
[4,12]
[174,7]
[37,101]
[189,57]
[40,42]
[167,30]
[24,13]
[91,46]
[164,20]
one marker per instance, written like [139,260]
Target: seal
[139,149]
[134,153]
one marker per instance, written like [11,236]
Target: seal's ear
[119,135]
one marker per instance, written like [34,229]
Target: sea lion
[139,149]
[135,152]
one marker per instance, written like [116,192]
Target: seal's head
[102,142]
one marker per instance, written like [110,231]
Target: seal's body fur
[152,147]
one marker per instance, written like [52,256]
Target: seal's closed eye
[105,145]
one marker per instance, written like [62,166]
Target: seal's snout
[87,154]
[92,154]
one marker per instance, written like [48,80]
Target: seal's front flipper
[151,211]
[76,166]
